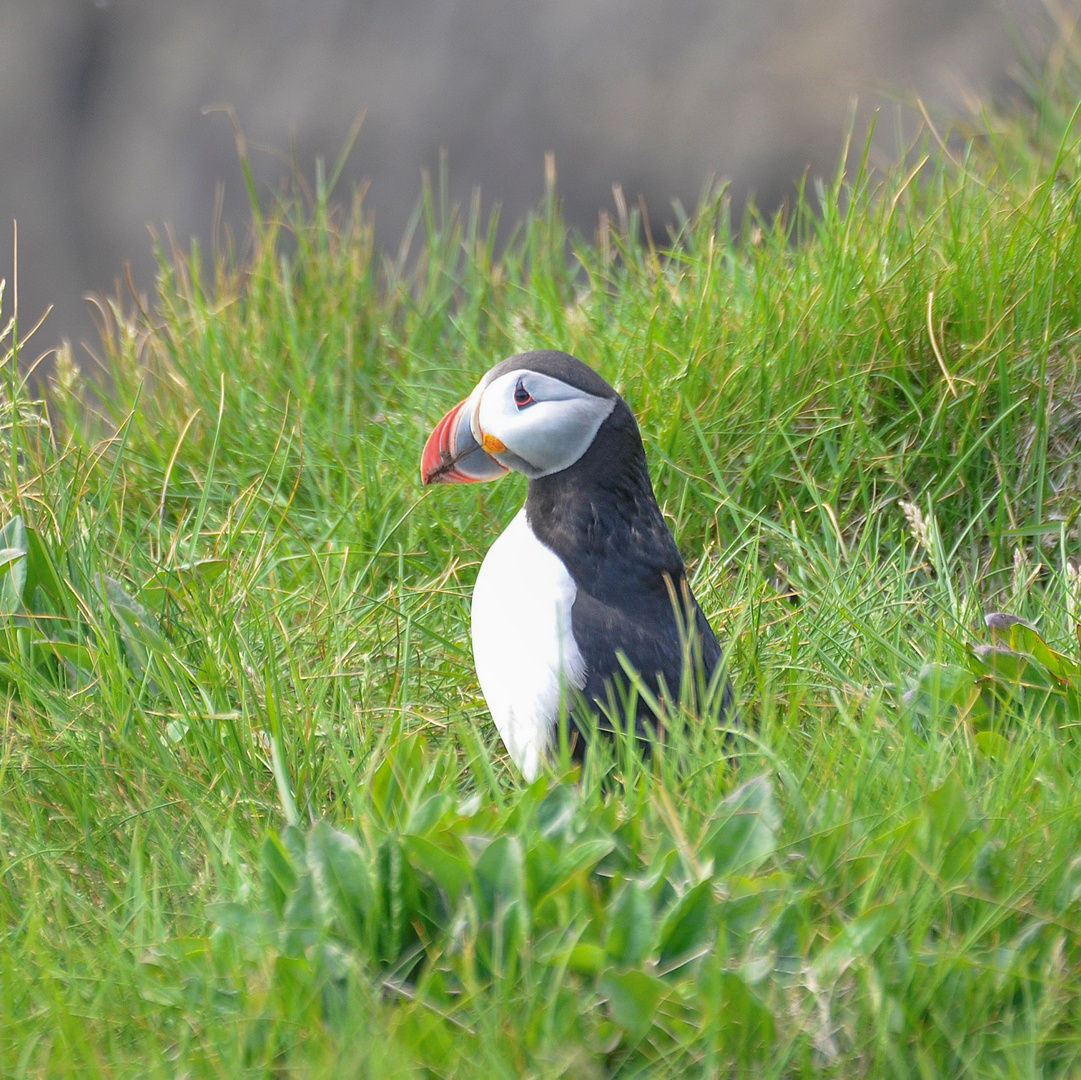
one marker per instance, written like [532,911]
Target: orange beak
[452,456]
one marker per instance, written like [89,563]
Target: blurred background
[103,129]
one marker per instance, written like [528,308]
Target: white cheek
[550,434]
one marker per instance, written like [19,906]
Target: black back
[601,518]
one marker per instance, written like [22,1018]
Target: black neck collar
[600,515]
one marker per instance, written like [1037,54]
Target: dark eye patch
[522,397]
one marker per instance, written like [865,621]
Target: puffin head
[536,413]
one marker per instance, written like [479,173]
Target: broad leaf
[172,581]
[633,997]
[279,875]
[443,858]
[13,552]
[342,879]
[689,923]
[856,941]
[631,928]
[744,829]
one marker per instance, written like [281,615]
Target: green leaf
[584,855]
[14,549]
[551,869]
[301,915]
[161,994]
[1012,667]
[279,877]
[857,941]
[688,924]
[293,981]
[448,869]
[172,581]
[940,687]
[743,833]
[8,556]
[82,656]
[586,958]
[557,814]
[138,628]
[429,813]
[137,625]
[630,925]
[402,904]
[239,919]
[1069,889]
[342,879]
[295,844]
[402,772]
[499,873]
[735,1010]
[78,660]
[501,900]
[946,808]
[41,572]
[175,730]
[992,745]
[1024,639]
[951,840]
[633,997]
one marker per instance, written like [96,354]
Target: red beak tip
[435,466]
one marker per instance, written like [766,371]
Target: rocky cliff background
[103,129]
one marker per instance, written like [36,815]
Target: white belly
[523,646]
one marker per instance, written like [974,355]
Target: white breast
[523,646]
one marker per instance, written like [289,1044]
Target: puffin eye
[522,397]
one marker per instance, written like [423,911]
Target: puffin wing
[647,631]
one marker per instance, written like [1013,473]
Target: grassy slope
[895,896]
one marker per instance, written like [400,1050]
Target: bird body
[587,576]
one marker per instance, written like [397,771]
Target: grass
[254,820]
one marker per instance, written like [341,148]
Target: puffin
[587,576]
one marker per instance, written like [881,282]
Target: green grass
[254,820]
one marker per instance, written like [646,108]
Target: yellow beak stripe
[492,445]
